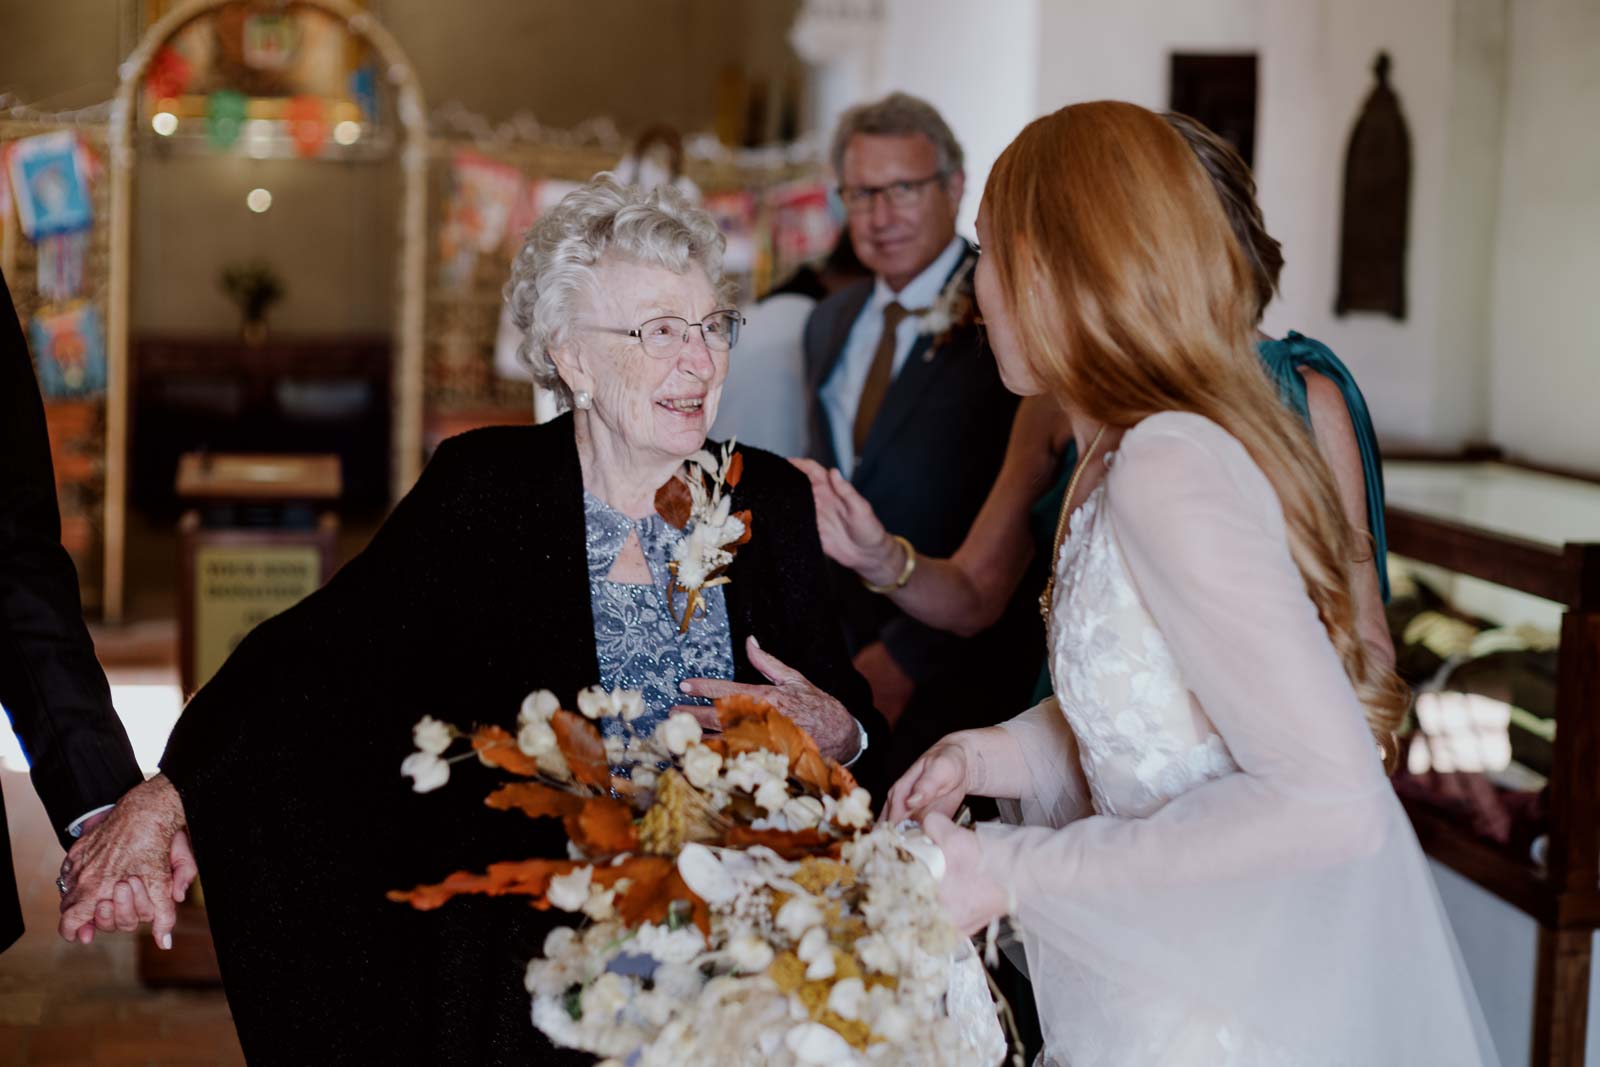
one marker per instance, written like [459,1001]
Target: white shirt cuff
[861,740]
[75,828]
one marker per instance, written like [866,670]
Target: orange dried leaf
[735,470]
[744,538]
[674,502]
[603,827]
[536,800]
[749,725]
[580,743]
[527,878]
[790,844]
[655,887]
[496,747]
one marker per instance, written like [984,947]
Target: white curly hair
[561,252]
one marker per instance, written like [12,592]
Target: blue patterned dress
[635,630]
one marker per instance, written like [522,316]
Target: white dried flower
[538,706]
[701,766]
[629,703]
[750,954]
[893,1024]
[813,1043]
[669,946]
[616,746]
[748,770]
[606,997]
[802,813]
[594,702]
[426,771]
[816,952]
[570,891]
[773,794]
[599,906]
[798,914]
[559,942]
[855,810]
[679,732]
[644,777]
[844,999]
[876,954]
[680,981]
[537,738]
[431,736]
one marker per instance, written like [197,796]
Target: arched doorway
[412,155]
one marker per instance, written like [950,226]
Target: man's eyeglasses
[858,198]
[665,335]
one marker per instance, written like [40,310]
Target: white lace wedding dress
[1210,867]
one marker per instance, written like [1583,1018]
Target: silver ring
[61,884]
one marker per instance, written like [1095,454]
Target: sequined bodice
[635,629]
[1142,737]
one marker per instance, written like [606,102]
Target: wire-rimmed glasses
[665,334]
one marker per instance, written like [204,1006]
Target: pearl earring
[582,400]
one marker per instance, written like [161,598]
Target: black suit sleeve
[50,682]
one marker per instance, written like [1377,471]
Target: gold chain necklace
[1047,598]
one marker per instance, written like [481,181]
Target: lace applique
[1142,739]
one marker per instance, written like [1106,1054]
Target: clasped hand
[131,866]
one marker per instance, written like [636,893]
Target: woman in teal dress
[967,592]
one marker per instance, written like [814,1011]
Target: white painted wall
[976,63]
[1545,377]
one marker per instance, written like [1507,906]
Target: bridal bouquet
[738,905]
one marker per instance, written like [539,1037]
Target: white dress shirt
[841,393]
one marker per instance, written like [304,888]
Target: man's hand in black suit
[134,867]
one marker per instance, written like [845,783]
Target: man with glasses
[909,406]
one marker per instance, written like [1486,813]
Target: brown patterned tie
[878,378]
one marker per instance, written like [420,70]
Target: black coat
[50,682]
[927,466]
[473,593]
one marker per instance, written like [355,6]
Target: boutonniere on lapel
[955,308]
[699,501]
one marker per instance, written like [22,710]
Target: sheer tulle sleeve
[1055,793]
[1287,906]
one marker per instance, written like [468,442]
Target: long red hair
[1133,297]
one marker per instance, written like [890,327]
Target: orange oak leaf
[496,747]
[748,725]
[790,844]
[527,878]
[744,517]
[535,799]
[585,753]
[655,886]
[674,503]
[603,827]
[735,470]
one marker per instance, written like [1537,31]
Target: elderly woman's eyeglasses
[664,335]
[858,198]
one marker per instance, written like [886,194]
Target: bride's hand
[850,531]
[971,898]
[938,782]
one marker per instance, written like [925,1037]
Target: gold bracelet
[905,572]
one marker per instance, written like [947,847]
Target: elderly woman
[524,558]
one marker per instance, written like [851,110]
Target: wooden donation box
[257,536]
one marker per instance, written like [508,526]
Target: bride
[1205,856]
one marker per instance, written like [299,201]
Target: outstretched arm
[966,593]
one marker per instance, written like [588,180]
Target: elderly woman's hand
[818,714]
[849,529]
[131,868]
